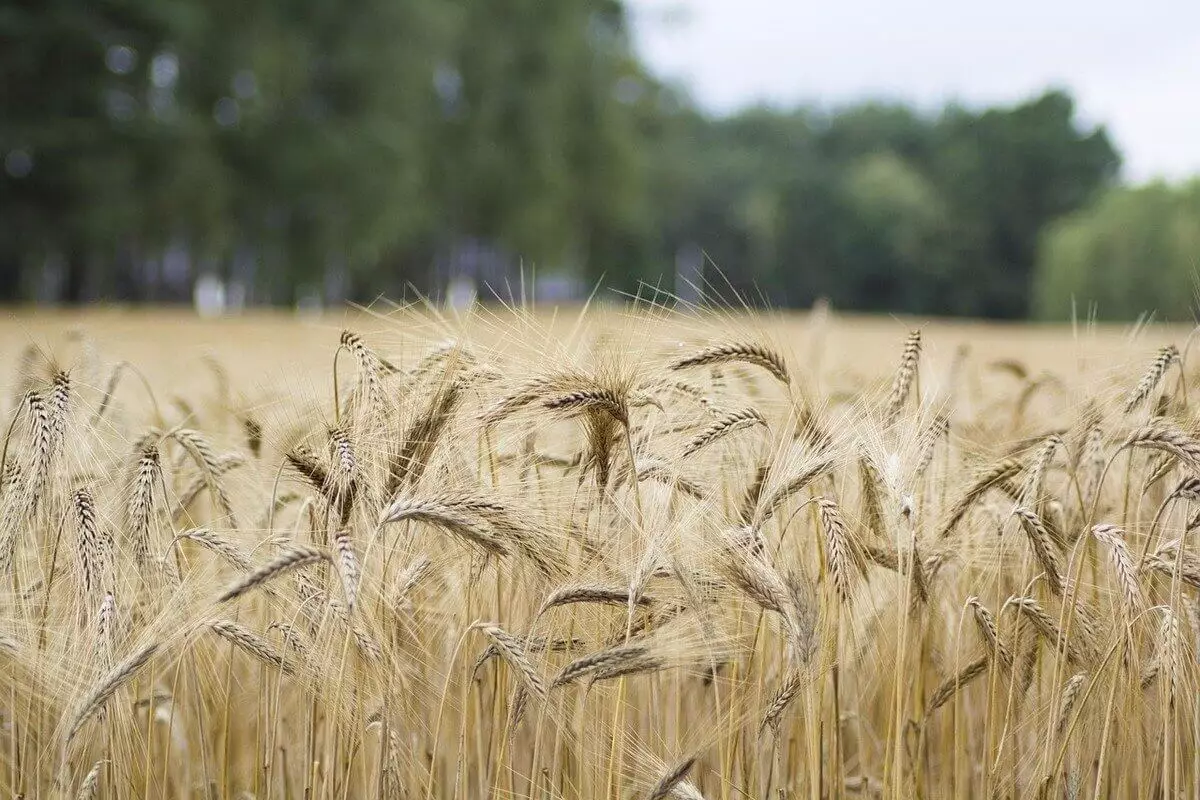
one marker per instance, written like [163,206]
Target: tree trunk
[10,277]
[74,277]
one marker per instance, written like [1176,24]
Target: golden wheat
[503,557]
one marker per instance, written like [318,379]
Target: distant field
[264,346]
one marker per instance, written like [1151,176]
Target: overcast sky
[1133,66]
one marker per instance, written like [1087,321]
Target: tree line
[322,149]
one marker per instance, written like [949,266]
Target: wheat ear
[746,352]
[102,691]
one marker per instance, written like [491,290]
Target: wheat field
[596,554]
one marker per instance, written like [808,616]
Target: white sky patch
[1133,68]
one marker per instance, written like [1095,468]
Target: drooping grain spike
[294,557]
[1068,699]
[668,782]
[747,352]
[725,425]
[589,593]
[779,702]
[250,642]
[1165,437]
[1043,548]
[810,471]
[954,684]
[422,436]
[842,559]
[369,368]
[1167,355]
[90,783]
[347,563]
[303,460]
[117,677]
[1035,475]
[1001,470]
[614,656]
[584,399]
[753,494]
[991,635]
[1123,566]
[938,429]
[218,544]
[513,653]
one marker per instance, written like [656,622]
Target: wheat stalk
[1170,558]
[1035,475]
[60,407]
[671,780]
[141,500]
[590,593]
[904,377]
[43,447]
[369,367]
[937,430]
[1043,548]
[218,544]
[811,470]
[294,557]
[363,640]
[1167,356]
[1000,471]
[991,635]
[117,677]
[421,437]
[412,575]
[840,555]
[954,684]
[1165,437]
[511,650]
[781,699]
[614,657]
[725,425]
[1045,625]
[1122,562]
[729,352]
[460,515]
[90,783]
[250,642]
[1068,699]
[93,545]
[347,564]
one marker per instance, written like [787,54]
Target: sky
[1134,67]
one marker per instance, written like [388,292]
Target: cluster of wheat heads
[570,572]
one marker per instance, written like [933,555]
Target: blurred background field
[271,353]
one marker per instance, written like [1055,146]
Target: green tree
[1005,174]
[537,144]
[299,129]
[1133,251]
[898,220]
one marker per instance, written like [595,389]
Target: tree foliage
[312,147]
[1134,251]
